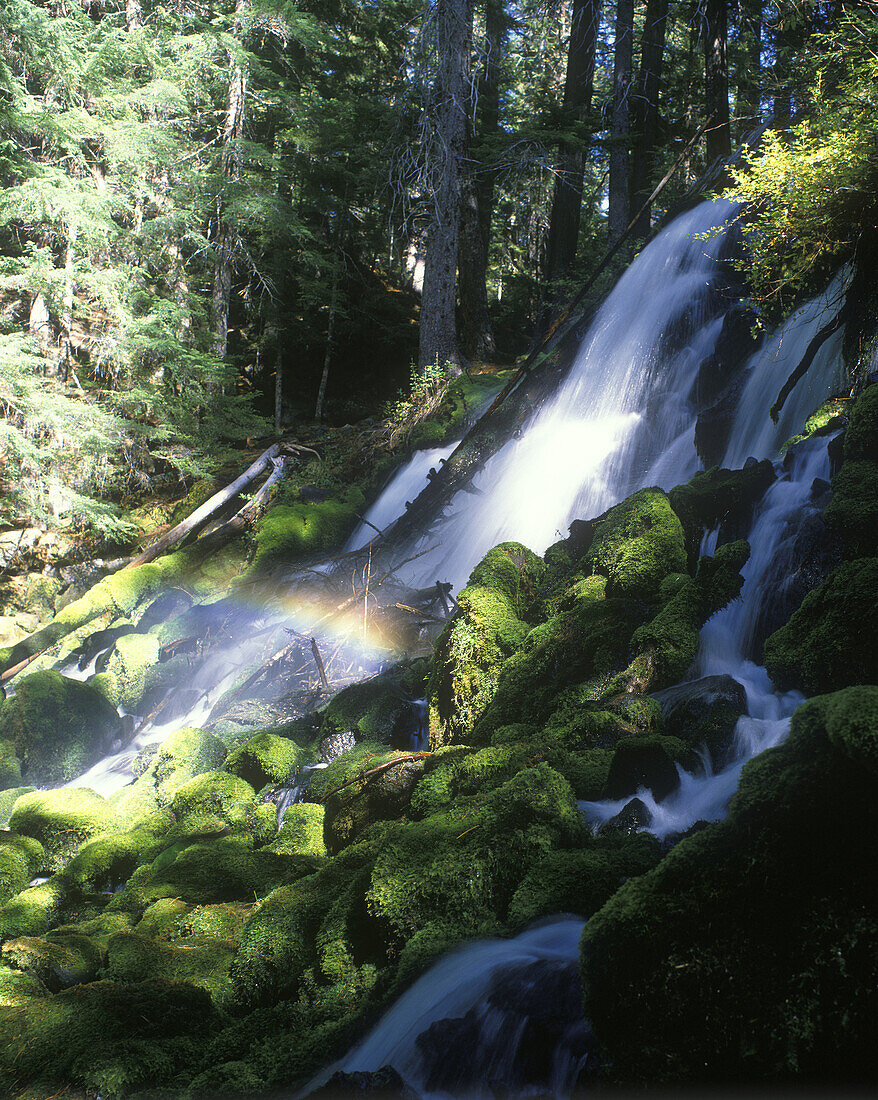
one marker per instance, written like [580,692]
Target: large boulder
[59,727]
[748,955]
[704,712]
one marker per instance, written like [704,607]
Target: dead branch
[377,770]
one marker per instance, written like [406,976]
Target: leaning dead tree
[273,459]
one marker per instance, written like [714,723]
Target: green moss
[579,649]
[638,543]
[20,859]
[378,709]
[861,437]
[130,670]
[473,647]
[828,418]
[195,946]
[354,801]
[853,510]
[581,880]
[32,911]
[84,1037]
[667,645]
[57,961]
[305,528]
[184,755]
[106,863]
[8,799]
[301,833]
[214,793]
[18,988]
[265,758]
[62,821]
[830,642]
[59,727]
[10,767]
[676,960]
[719,497]
[464,397]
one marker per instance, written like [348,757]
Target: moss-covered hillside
[172,941]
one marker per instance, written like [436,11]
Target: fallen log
[272,458]
[377,770]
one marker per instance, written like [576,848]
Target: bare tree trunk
[646,111]
[279,391]
[324,378]
[620,130]
[716,79]
[133,14]
[66,349]
[446,151]
[477,197]
[231,162]
[578,88]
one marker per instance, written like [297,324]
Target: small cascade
[499,1017]
[289,796]
[404,486]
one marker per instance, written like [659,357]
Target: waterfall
[503,995]
[624,416]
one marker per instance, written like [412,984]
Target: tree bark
[445,153]
[646,111]
[578,89]
[619,203]
[716,79]
[324,377]
[231,165]
[477,196]
[210,507]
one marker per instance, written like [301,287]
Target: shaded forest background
[219,220]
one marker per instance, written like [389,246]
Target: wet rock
[59,727]
[704,712]
[384,1082]
[642,762]
[527,1033]
[714,425]
[335,744]
[633,817]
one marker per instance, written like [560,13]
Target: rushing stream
[624,418]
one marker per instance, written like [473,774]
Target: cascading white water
[458,986]
[621,419]
[572,463]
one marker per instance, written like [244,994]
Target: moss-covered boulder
[861,437]
[180,943]
[218,794]
[20,859]
[361,787]
[306,527]
[129,670]
[62,821]
[702,972]
[57,961]
[853,511]
[301,833]
[581,880]
[642,762]
[59,727]
[112,1038]
[265,758]
[832,640]
[187,753]
[381,708]
[720,498]
[637,544]
[10,767]
[704,712]
[489,626]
